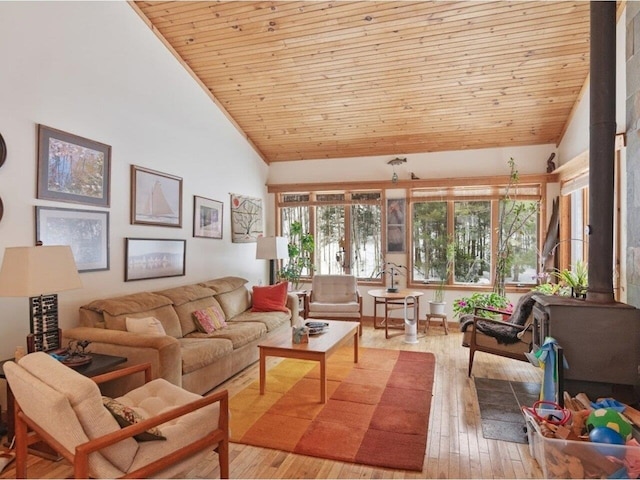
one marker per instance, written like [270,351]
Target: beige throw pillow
[145,326]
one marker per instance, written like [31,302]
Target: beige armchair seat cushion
[159,396]
[334,296]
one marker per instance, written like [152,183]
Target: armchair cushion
[85,399]
[334,289]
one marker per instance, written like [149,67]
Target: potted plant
[301,246]
[492,300]
[575,279]
[437,305]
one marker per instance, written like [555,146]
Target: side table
[392,301]
[302,303]
[99,364]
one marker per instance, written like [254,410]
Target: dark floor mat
[500,407]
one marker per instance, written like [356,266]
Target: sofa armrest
[162,352]
[294,306]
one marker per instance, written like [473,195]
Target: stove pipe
[602,130]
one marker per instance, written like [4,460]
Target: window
[346,227]
[467,218]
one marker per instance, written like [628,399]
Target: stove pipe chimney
[602,132]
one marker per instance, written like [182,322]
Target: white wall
[94,69]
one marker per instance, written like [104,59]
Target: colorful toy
[610,437]
[609,417]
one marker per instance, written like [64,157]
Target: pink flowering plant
[491,300]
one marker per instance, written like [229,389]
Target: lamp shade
[33,271]
[272,248]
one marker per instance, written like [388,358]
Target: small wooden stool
[434,317]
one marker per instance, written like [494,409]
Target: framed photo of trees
[72,168]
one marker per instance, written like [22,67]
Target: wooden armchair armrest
[492,310]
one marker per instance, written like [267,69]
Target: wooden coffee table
[319,348]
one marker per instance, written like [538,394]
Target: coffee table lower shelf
[318,349]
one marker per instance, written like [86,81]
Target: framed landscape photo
[207,218]
[147,258]
[246,219]
[156,198]
[85,231]
[72,168]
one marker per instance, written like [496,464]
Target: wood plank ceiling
[315,79]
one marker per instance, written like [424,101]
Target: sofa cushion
[239,333]
[234,302]
[186,300]
[271,298]
[271,320]
[134,303]
[200,352]
[166,314]
[224,284]
[145,326]
[209,319]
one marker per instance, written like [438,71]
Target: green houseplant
[575,279]
[301,246]
[464,305]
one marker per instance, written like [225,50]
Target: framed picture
[72,168]
[396,225]
[154,258]
[246,219]
[156,198]
[85,231]
[207,218]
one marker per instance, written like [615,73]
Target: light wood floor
[455,445]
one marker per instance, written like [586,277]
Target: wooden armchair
[65,409]
[510,338]
[335,297]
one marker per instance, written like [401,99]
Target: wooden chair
[510,338]
[61,407]
[334,297]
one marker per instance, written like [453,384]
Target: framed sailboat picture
[156,198]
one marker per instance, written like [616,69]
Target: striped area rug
[377,411]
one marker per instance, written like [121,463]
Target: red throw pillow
[270,299]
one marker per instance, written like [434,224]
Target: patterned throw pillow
[272,298]
[209,319]
[126,416]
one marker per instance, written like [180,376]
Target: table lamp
[272,249]
[36,272]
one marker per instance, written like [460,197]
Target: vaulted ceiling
[316,79]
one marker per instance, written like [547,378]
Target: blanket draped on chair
[504,332]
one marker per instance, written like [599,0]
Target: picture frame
[207,217]
[85,231]
[3,150]
[396,226]
[147,258]
[246,219]
[73,169]
[156,198]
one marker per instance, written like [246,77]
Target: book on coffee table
[316,328]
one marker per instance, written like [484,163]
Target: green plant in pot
[301,246]
[437,305]
[575,279]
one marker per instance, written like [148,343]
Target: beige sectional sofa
[184,356]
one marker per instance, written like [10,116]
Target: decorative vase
[437,307]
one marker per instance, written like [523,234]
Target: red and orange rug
[377,412]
